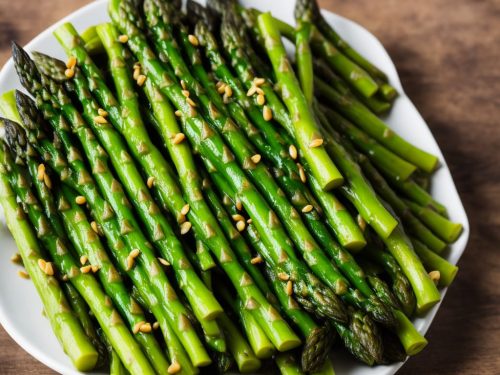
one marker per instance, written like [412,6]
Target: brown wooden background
[448,56]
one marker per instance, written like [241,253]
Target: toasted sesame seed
[302,173]
[191,102]
[193,40]
[317,142]
[249,221]
[156,325]
[137,65]
[174,368]
[228,91]
[49,269]
[70,73]
[241,225]
[137,73]
[150,182]
[283,276]
[256,260]
[289,287]
[238,217]
[259,81]
[141,79]
[256,158]
[239,205]
[70,64]
[100,120]
[23,274]
[178,113]
[259,91]
[134,253]
[16,258]
[261,99]
[94,227]
[292,150]
[95,268]
[219,84]
[145,328]
[164,262]
[222,88]
[185,93]
[123,38]
[80,200]
[435,276]
[102,112]
[86,269]
[83,259]
[251,90]
[47,181]
[267,113]
[307,208]
[178,138]
[185,209]
[41,172]
[185,227]
[137,327]
[130,263]
[183,84]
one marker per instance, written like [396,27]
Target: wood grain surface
[448,56]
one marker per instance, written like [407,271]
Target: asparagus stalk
[444,228]
[304,124]
[277,330]
[434,262]
[303,54]
[86,284]
[362,117]
[65,325]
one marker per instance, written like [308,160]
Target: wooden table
[448,56]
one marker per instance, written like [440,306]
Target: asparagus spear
[304,124]
[303,54]
[362,117]
[86,284]
[65,325]
[278,331]
[434,262]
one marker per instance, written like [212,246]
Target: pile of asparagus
[185,198]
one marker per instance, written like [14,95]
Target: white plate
[20,307]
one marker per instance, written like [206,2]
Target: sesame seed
[238,217]
[178,113]
[137,327]
[49,269]
[47,181]
[292,150]
[41,172]
[193,40]
[183,84]
[94,227]
[174,368]
[146,328]
[137,65]
[316,142]
[23,274]
[267,113]
[150,182]
[228,91]
[302,173]
[307,208]
[164,262]
[80,200]
[123,38]
[70,64]
[256,260]
[42,263]
[435,276]
[156,325]
[134,253]
[70,73]
[130,263]
[256,158]
[185,209]
[185,93]
[259,91]
[100,120]
[178,138]
[240,225]
[95,268]
[141,79]
[283,276]
[261,99]
[239,205]
[102,112]
[259,81]
[137,73]
[185,227]
[222,88]
[249,221]
[16,258]
[252,90]
[86,269]
[83,259]
[191,102]
[289,287]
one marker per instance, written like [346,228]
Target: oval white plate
[20,307]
